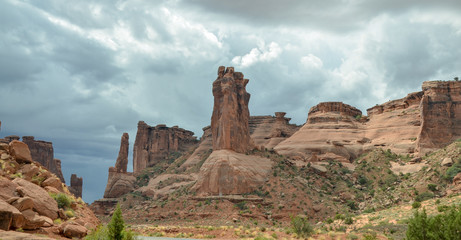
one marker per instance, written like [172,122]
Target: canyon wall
[154,144]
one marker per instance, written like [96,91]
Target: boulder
[32,219]
[52,182]
[447,162]
[74,231]
[29,171]
[8,188]
[43,203]
[20,151]
[9,213]
[23,203]
[118,184]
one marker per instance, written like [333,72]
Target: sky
[80,73]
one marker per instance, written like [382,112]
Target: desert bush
[424,196]
[349,220]
[443,226]
[116,225]
[63,200]
[452,171]
[416,204]
[301,226]
[432,187]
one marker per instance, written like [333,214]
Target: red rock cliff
[122,159]
[43,153]
[76,185]
[229,122]
[440,114]
[154,144]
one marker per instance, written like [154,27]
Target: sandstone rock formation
[154,144]
[230,119]
[227,172]
[76,185]
[58,172]
[25,196]
[120,181]
[440,114]
[268,131]
[205,146]
[420,122]
[122,159]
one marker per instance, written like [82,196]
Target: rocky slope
[35,200]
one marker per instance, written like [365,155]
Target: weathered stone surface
[154,144]
[227,172]
[32,219]
[43,153]
[156,189]
[76,185]
[122,159]
[52,182]
[10,216]
[20,151]
[13,235]
[74,231]
[8,188]
[268,131]
[447,162]
[118,184]
[230,119]
[43,203]
[440,114]
[58,172]
[23,203]
[29,171]
[205,147]
[103,206]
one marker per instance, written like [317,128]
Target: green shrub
[352,205]
[370,236]
[443,226]
[424,196]
[452,171]
[432,187]
[63,200]
[241,205]
[301,226]
[348,220]
[100,233]
[416,205]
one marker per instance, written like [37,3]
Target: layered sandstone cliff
[154,144]
[440,114]
[268,131]
[420,122]
[76,185]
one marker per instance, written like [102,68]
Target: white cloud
[261,54]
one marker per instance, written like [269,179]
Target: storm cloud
[80,74]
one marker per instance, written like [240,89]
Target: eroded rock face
[119,184]
[122,159]
[230,119]
[204,148]
[227,172]
[76,185]
[440,114]
[418,123]
[120,181]
[154,144]
[20,152]
[268,131]
[43,153]
[332,129]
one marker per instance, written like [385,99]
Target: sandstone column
[229,122]
[122,159]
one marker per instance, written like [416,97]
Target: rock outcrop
[268,131]
[440,114]
[418,123]
[26,200]
[122,159]
[204,148]
[230,119]
[228,170]
[43,153]
[154,144]
[120,181]
[76,185]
